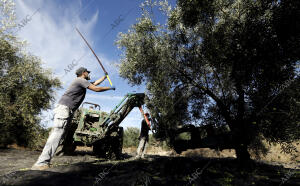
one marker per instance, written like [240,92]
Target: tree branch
[220,104]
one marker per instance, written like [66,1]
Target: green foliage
[7,16]
[184,136]
[220,62]
[131,137]
[25,90]
[158,143]
[39,140]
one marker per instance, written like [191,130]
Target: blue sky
[50,34]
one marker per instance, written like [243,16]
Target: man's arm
[99,81]
[98,89]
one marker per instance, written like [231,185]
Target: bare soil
[165,169]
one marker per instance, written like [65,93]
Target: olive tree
[220,62]
[25,87]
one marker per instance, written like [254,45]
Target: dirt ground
[157,169]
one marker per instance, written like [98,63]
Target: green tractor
[101,130]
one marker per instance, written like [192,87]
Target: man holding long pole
[64,111]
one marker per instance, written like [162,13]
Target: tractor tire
[117,145]
[110,147]
[99,148]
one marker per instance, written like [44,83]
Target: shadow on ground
[154,170]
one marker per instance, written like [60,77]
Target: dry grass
[273,156]
[151,150]
[84,149]
[15,146]
[207,152]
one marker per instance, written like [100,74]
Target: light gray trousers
[142,147]
[62,118]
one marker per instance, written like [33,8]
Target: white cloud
[53,38]
[51,35]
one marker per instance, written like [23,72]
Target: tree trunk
[243,156]
[242,153]
[240,136]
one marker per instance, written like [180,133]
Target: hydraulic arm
[118,114]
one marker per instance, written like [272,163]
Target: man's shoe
[42,167]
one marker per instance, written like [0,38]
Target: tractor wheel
[110,147]
[117,145]
[99,148]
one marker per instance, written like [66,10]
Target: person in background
[144,138]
